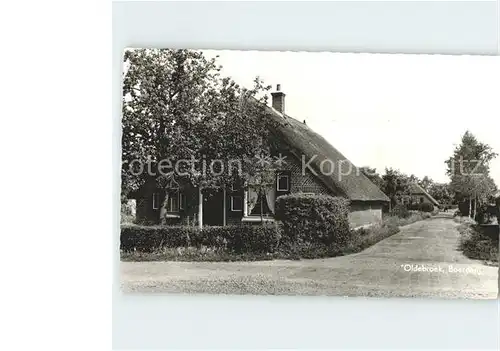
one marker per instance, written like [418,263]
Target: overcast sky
[402,111]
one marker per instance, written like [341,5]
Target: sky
[407,112]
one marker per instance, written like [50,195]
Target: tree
[426,183]
[442,192]
[396,185]
[468,169]
[186,122]
[371,173]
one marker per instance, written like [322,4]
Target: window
[173,203]
[156,201]
[421,200]
[236,203]
[283,182]
[261,207]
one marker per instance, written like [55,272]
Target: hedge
[400,211]
[233,239]
[424,207]
[311,220]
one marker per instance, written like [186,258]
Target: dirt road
[422,260]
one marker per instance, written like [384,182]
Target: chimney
[279,99]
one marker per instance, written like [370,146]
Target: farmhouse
[311,165]
[418,195]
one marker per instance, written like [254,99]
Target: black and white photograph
[309,173]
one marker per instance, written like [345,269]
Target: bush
[476,245]
[232,239]
[400,211]
[423,207]
[426,207]
[314,220]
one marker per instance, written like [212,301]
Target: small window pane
[236,203]
[283,183]
[174,204]
[156,201]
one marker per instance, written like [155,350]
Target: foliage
[468,169]
[246,242]
[424,207]
[126,213]
[176,106]
[397,185]
[476,245]
[442,192]
[400,211]
[426,183]
[402,221]
[314,219]
[375,178]
[194,254]
[366,237]
[236,239]
[459,218]
[487,213]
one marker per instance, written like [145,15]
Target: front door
[213,208]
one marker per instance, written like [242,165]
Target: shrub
[400,211]
[426,207]
[423,207]
[232,239]
[312,220]
[476,245]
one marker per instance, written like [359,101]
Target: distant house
[298,144]
[497,195]
[497,203]
[418,195]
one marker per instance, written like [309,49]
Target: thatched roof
[343,177]
[416,189]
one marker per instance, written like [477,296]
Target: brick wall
[305,182]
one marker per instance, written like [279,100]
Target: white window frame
[170,199]
[182,198]
[278,182]
[156,205]
[232,203]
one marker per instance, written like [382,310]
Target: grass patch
[476,245]
[193,254]
[364,238]
[464,220]
[396,221]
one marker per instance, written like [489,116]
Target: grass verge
[476,245]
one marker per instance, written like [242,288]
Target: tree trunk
[261,207]
[200,208]
[475,207]
[470,207]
